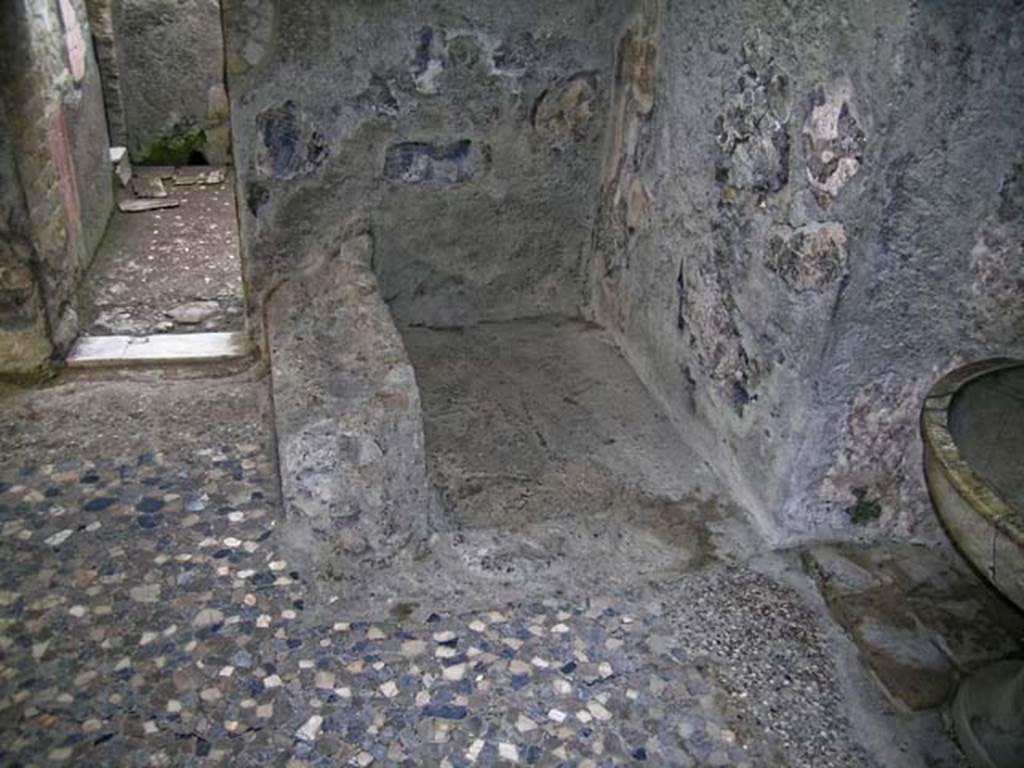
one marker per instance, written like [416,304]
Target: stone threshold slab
[141,206]
[157,349]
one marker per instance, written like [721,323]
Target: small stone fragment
[455,672]
[148,187]
[473,753]
[193,313]
[324,679]
[413,648]
[508,752]
[59,538]
[310,729]
[145,593]
[525,724]
[207,617]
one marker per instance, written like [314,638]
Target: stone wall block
[347,410]
[564,113]
[810,258]
[834,141]
[290,145]
[417,162]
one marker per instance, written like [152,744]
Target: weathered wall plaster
[469,133]
[170,62]
[793,216]
[820,213]
[58,193]
[24,337]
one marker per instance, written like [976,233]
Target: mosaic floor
[148,617]
[148,621]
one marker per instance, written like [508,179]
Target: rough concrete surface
[347,409]
[174,270]
[540,421]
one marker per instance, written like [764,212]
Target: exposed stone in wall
[834,140]
[752,132]
[708,317]
[290,146]
[256,27]
[428,60]
[809,258]
[563,113]
[638,204]
[638,68]
[752,167]
[874,481]
[416,162]
[170,57]
[627,199]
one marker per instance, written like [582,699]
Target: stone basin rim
[938,440]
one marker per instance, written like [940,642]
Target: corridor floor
[150,616]
[173,270]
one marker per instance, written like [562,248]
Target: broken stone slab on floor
[122,165]
[215,176]
[141,206]
[187,177]
[920,618]
[193,312]
[347,410]
[149,187]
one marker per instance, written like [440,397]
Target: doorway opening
[169,264]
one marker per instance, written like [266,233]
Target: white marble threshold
[158,348]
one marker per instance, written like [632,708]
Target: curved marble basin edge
[984,526]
